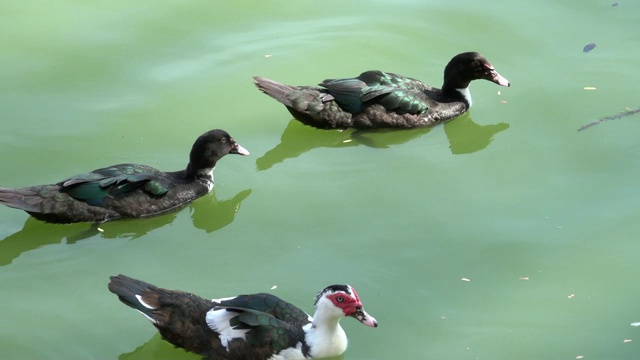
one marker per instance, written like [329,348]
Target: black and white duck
[246,327]
[125,190]
[377,99]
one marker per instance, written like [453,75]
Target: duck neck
[325,336]
[198,172]
[204,175]
[457,89]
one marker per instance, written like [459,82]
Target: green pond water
[505,234]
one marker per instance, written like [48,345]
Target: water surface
[503,234]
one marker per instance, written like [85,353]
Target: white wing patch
[147,316]
[148,307]
[223,299]
[144,303]
[290,353]
[218,321]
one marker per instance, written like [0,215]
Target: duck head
[337,301]
[209,148]
[466,67]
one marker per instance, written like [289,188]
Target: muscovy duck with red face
[246,327]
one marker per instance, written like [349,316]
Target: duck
[125,190]
[245,327]
[377,99]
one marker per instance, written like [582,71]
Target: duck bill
[237,149]
[493,76]
[364,318]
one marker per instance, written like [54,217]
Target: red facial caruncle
[346,302]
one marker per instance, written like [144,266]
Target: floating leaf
[589,47]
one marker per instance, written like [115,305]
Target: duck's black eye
[223,140]
[340,299]
[475,63]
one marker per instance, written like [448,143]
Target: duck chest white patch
[208,175]
[466,94]
[219,321]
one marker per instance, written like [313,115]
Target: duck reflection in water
[156,349]
[207,213]
[464,135]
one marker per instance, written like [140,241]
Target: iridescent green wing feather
[269,319]
[94,187]
[266,329]
[396,93]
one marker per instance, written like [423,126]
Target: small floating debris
[465,279]
[589,47]
[101,229]
[635,324]
[523,278]
[627,341]
[268,55]
[274,287]
[579,357]
[347,141]
[571,296]
[615,4]
[589,88]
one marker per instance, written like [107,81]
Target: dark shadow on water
[466,137]
[207,213]
[158,349]
[211,214]
[298,138]
[463,134]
